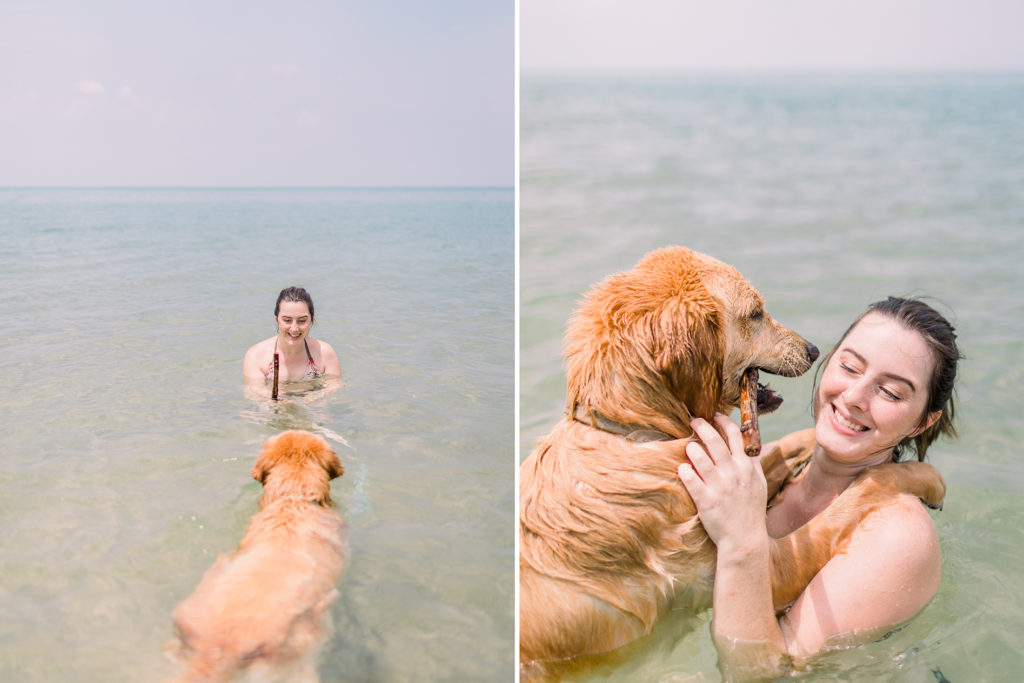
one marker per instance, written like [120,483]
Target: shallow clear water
[827,193]
[127,441]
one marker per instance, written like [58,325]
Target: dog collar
[633,432]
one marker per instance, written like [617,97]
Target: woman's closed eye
[890,394]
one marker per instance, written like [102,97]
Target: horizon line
[895,70]
[257,187]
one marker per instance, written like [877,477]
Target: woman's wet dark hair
[294,294]
[940,337]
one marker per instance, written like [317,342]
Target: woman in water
[300,357]
[886,388]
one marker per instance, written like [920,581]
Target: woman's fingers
[714,456]
[717,456]
[720,448]
[732,433]
[691,480]
[713,442]
[699,460]
[705,455]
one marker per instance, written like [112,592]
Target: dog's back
[266,602]
[263,607]
[583,491]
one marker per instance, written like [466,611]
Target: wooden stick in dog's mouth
[755,399]
[748,413]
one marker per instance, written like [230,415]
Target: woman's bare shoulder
[904,523]
[257,356]
[887,573]
[261,348]
[328,357]
[324,346]
[895,547]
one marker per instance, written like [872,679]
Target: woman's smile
[846,424]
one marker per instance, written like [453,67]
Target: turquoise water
[827,192]
[127,440]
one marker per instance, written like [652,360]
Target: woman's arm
[730,492]
[888,572]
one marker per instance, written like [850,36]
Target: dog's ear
[266,460]
[260,470]
[691,353]
[333,465]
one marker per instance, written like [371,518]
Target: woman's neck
[826,477]
[290,350]
[818,485]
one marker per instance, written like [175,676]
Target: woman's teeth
[846,423]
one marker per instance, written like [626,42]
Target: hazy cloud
[227,110]
[90,87]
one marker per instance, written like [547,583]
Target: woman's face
[293,321]
[873,392]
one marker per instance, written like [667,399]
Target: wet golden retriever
[609,537]
[262,608]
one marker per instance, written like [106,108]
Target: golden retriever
[262,609]
[609,537]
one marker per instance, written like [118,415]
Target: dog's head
[297,463]
[670,339]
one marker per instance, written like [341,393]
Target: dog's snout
[812,352]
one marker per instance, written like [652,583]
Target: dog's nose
[812,352]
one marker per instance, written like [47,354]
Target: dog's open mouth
[768,399]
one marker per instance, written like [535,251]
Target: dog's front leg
[796,558]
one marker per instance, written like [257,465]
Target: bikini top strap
[309,355]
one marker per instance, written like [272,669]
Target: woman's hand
[727,486]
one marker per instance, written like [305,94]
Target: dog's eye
[757,315]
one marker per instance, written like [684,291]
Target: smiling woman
[291,355]
[887,385]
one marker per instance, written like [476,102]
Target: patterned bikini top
[312,372]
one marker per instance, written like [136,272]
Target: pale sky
[214,93]
[772,34]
